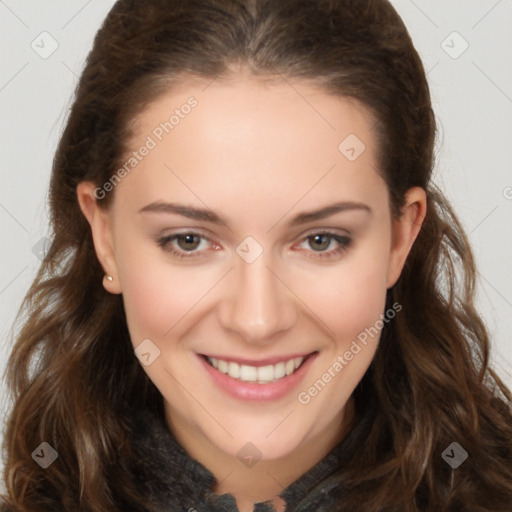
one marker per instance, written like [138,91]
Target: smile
[259,374]
[261,381]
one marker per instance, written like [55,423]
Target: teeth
[279,372]
[223,366]
[234,370]
[266,372]
[248,373]
[260,374]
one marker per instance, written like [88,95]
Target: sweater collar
[176,481]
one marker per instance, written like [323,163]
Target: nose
[257,305]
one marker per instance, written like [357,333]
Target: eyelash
[343,241]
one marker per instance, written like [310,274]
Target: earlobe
[405,231]
[99,221]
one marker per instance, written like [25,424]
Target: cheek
[156,295]
[348,297]
[362,301]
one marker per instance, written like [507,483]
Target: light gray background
[472,96]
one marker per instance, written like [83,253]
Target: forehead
[252,111]
[273,143]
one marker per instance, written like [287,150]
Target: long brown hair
[430,375]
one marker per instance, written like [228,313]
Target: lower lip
[253,391]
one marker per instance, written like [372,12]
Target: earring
[109,278]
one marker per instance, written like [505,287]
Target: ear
[100,222]
[405,230]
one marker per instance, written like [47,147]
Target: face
[253,246]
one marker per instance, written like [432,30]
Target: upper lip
[259,362]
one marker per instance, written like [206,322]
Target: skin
[257,154]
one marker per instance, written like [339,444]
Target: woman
[255,299]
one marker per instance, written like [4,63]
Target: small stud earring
[109,278]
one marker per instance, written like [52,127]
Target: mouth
[264,380]
[262,374]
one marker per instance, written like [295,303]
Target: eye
[183,245]
[320,242]
[189,244]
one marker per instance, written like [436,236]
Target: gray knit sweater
[179,483]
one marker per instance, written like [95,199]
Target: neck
[267,479]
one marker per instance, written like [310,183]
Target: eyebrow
[210,216]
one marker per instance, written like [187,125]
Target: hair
[430,375]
